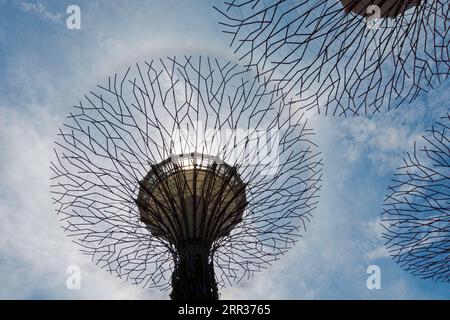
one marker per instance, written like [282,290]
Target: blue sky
[44,70]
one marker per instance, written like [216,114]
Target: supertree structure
[416,213]
[347,57]
[188,173]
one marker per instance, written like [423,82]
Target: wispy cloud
[329,262]
[34,251]
[40,10]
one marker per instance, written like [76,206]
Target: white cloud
[34,250]
[330,262]
[34,246]
[40,10]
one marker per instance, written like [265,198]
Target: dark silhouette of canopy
[416,213]
[337,58]
[185,164]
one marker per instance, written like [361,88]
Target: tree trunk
[193,277]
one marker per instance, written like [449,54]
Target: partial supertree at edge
[416,215]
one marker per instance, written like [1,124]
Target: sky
[45,68]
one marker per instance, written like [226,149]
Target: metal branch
[338,60]
[416,213]
[119,146]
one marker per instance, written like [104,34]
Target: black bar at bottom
[223,309]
